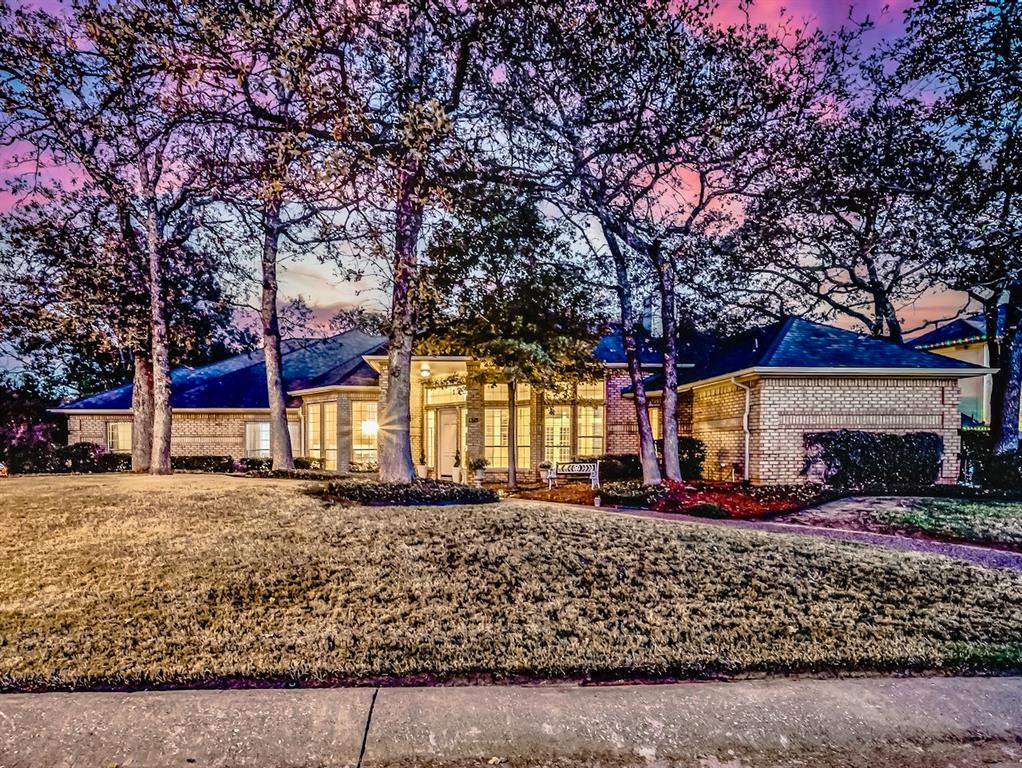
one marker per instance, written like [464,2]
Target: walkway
[991,558]
[879,722]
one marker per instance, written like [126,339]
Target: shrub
[202,463]
[630,493]
[253,463]
[420,492]
[370,466]
[852,458]
[1002,472]
[308,462]
[692,455]
[707,509]
[293,474]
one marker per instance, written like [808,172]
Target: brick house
[749,398]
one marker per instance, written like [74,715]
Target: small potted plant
[456,469]
[421,469]
[478,467]
[545,468]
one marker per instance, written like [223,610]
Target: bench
[575,469]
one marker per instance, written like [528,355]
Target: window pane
[257,438]
[495,392]
[590,391]
[330,435]
[118,436]
[655,420]
[524,437]
[294,430]
[590,430]
[429,439]
[495,436]
[364,426]
[314,414]
[557,434]
[445,395]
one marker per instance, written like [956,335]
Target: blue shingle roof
[798,343]
[610,349]
[965,330]
[240,381]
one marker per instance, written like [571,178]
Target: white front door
[448,438]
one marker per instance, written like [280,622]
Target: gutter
[745,424]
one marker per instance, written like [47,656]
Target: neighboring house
[749,397]
[966,339]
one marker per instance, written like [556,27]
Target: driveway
[911,723]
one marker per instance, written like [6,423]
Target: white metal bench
[575,469]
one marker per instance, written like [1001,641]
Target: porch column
[473,413]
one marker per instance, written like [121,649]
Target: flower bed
[421,492]
[721,500]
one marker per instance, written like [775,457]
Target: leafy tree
[79,93]
[967,55]
[654,122]
[505,290]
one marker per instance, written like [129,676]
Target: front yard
[991,523]
[191,579]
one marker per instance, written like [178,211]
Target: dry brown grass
[140,580]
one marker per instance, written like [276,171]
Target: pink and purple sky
[325,292]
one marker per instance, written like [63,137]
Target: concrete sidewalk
[862,722]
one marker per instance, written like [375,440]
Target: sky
[326,292]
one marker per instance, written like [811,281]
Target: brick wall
[716,418]
[192,434]
[622,428]
[794,406]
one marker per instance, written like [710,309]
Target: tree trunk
[142,414]
[160,463]
[280,437]
[512,435]
[395,438]
[1007,392]
[647,448]
[669,323]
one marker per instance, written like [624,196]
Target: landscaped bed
[739,501]
[989,522]
[202,580]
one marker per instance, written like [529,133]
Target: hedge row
[854,459]
[420,492]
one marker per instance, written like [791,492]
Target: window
[314,413]
[445,395]
[330,435]
[495,436]
[364,427]
[257,439]
[557,434]
[118,436]
[655,420]
[590,430]
[429,440]
[498,392]
[590,391]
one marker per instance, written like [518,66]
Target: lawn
[191,579]
[996,523]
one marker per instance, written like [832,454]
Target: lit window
[495,436]
[590,430]
[257,439]
[118,436]
[590,391]
[655,420]
[364,426]
[557,434]
[314,414]
[445,395]
[497,393]
[429,441]
[330,435]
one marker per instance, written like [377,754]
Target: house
[966,339]
[749,398]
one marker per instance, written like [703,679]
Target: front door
[448,438]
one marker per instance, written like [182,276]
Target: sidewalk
[861,722]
